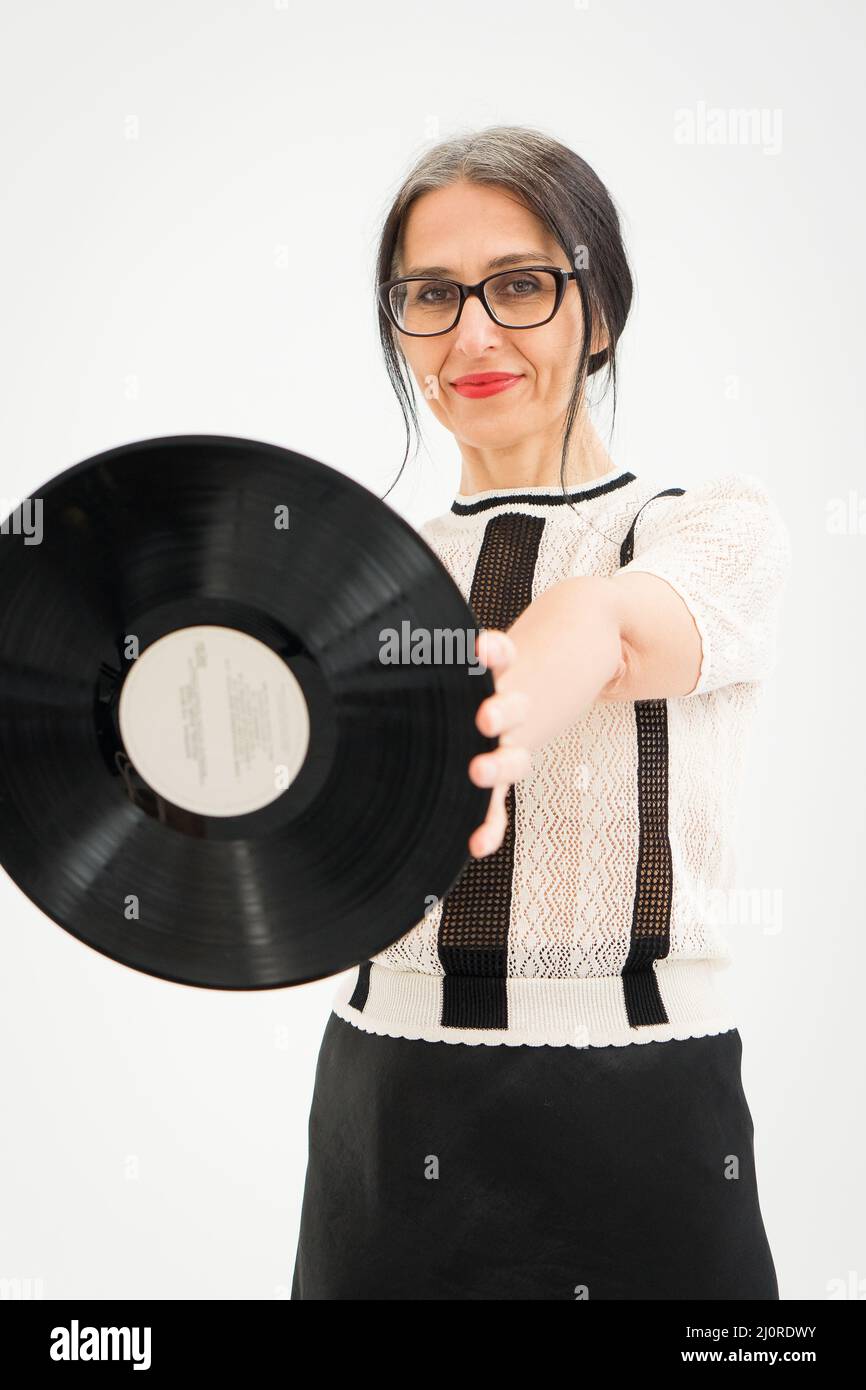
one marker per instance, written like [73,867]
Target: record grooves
[216,605]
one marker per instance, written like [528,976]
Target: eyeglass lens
[518,298]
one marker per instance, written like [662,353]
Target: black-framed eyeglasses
[423,305]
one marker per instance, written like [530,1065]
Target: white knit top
[593,924]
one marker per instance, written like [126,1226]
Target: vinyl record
[235,716]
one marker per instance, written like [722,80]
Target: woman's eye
[432,294]
[524,285]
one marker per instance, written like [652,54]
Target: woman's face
[462,229]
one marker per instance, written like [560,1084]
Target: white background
[160,165]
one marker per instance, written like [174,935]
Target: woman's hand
[499,714]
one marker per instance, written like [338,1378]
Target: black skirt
[448,1171]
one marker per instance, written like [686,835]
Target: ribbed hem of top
[585,1012]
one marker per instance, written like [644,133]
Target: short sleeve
[726,550]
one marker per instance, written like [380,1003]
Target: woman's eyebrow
[513,258]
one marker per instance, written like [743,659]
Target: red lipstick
[478,384]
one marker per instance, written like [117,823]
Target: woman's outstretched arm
[626,637]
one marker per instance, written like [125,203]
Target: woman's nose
[476,329]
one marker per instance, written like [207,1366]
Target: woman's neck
[535,463]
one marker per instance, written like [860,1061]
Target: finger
[495,649]
[504,764]
[501,712]
[487,838]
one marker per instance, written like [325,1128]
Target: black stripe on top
[476,914]
[362,986]
[653,896]
[552,499]
[626,550]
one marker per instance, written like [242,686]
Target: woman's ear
[600,337]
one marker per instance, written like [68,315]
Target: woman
[536,1092]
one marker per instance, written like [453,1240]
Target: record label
[214,720]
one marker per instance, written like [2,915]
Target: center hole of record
[214,720]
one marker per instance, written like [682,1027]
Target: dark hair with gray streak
[568,197]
